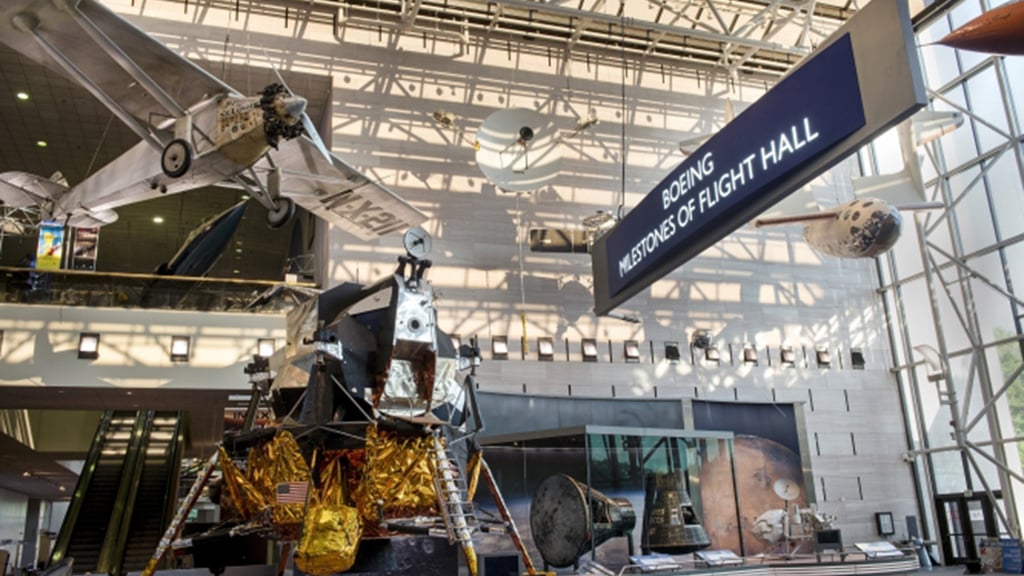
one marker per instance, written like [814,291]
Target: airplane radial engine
[280,120]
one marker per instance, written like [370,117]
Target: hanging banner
[50,249]
[861,81]
[86,247]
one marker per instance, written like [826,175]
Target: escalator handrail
[112,551]
[60,547]
[172,467]
[174,470]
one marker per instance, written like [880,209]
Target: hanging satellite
[518,150]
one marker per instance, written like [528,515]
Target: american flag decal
[292,492]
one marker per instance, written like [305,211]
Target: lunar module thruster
[370,464]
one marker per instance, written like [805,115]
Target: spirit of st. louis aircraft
[195,130]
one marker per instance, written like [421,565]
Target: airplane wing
[337,192]
[69,35]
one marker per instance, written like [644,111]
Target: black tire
[176,158]
[282,215]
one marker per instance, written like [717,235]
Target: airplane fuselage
[863,228]
[228,138]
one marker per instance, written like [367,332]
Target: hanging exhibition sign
[864,80]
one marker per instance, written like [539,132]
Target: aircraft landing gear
[280,215]
[176,158]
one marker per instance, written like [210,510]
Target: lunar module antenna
[417,243]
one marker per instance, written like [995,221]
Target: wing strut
[122,59]
[30,24]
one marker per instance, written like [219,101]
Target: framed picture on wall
[884,524]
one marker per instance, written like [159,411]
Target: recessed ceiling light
[22,95]
[158,219]
[41,143]
[245,196]
[236,271]
[239,250]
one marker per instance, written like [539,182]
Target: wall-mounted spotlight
[89,345]
[672,351]
[711,354]
[788,356]
[631,351]
[750,355]
[265,347]
[180,348]
[824,357]
[545,349]
[589,350]
[857,358]
[499,347]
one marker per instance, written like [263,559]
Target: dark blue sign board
[1012,563]
[789,126]
[814,117]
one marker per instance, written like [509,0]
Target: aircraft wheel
[280,216]
[176,158]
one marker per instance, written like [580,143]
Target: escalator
[157,488]
[125,494]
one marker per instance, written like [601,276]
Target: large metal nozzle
[560,519]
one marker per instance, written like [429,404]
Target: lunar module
[370,464]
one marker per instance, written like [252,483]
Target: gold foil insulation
[279,461]
[398,475]
[246,499]
[330,530]
[276,462]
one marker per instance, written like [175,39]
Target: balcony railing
[126,290]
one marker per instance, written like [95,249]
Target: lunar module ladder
[452,495]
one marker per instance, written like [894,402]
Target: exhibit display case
[611,492]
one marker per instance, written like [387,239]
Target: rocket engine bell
[560,519]
[671,525]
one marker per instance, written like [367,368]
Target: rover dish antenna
[518,150]
[786,489]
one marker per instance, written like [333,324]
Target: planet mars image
[760,463]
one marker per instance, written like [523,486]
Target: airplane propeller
[307,123]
